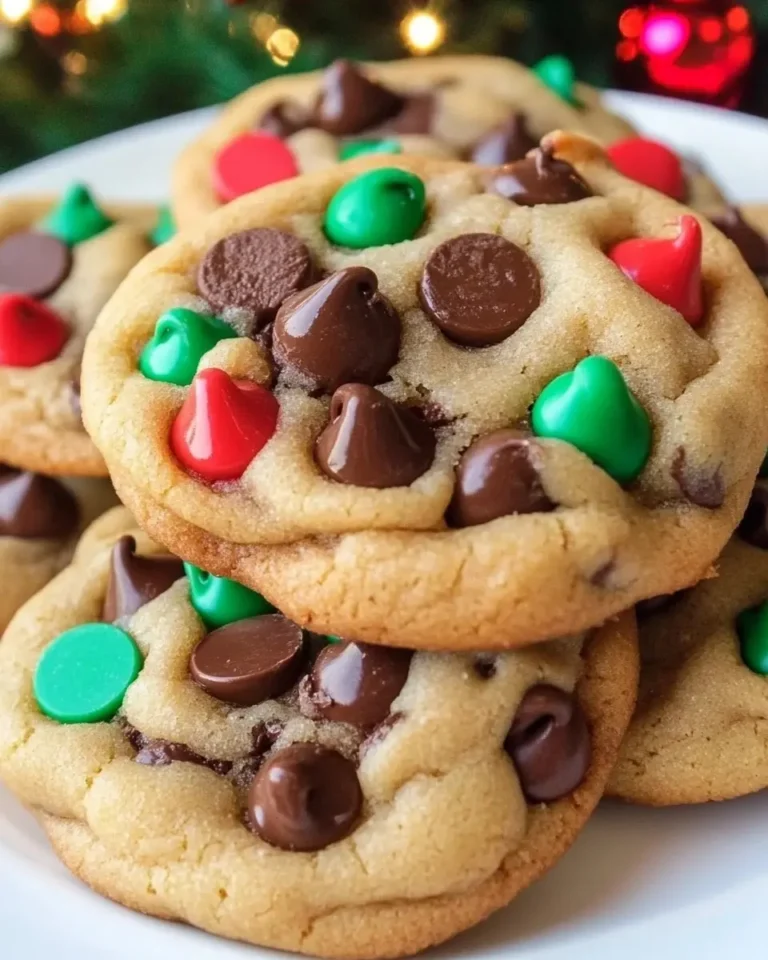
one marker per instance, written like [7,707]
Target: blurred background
[74,69]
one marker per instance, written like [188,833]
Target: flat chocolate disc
[35,264]
[479,288]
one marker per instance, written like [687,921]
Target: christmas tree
[74,69]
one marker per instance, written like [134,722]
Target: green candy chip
[362,148]
[77,218]
[164,229]
[83,675]
[377,208]
[219,601]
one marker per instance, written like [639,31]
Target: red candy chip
[251,161]
[30,332]
[222,425]
[669,270]
[651,164]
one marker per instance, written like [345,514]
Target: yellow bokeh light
[14,11]
[75,63]
[100,11]
[263,25]
[282,46]
[422,31]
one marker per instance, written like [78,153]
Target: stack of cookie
[418,435]
[60,261]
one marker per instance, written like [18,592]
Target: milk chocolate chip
[34,507]
[701,485]
[350,102]
[305,797]
[496,477]
[549,744]
[339,331]
[507,143]
[479,288]
[539,178]
[416,116]
[249,661]
[161,753]
[355,683]
[753,246]
[754,525]
[283,119]
[135,580]
[373,442]
[255,270]
[35,264]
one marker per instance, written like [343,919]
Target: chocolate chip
[701,486]
[549,744]
[653,605]
[484,666]
[506,143]
[305,797]
[498,476]
[380,733]
[479,288]
[754,525]
[355,683]
[338,331]
[34,507]
[33,263]
[373,442]
[263,735]
[350,102]
[160,753]
[416,116]
[255,270]
[539,179]
[283,119]
[753,246]
[74,398]
[135,580]
[249,661]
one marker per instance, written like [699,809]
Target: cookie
[41,519]
[490,109]
[274,787]
[60,261]
[398,508]
[700,731]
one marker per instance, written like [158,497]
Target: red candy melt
[669,270]
[222,425]
[251,161]
[30,332]
[651,164]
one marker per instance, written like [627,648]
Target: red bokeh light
[737,19]
[631,23]
[46,21]
[711,30]
[627,50]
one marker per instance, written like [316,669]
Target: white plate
[677,883]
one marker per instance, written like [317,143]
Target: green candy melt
[361,148]
[180,340]
[558,74]
[83,675]
[164,229]
[377,208]
[593,409]
[77,217]
[220,601]
[752,627]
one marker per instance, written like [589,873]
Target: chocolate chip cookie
[700,731]
[60,261]
[572,424]
[197,756]
[491,110]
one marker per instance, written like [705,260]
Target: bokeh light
[422,31]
